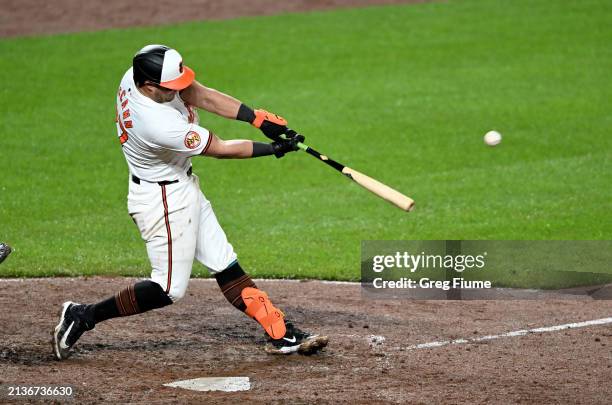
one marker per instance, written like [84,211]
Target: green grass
[402,93]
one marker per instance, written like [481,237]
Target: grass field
[403,93]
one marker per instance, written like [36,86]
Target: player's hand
[282,146]
[290,134]
[272,125]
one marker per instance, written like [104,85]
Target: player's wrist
[262,149]
[246,114]
[272,125]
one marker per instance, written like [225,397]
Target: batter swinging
[159,131]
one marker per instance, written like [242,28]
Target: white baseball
[492,138]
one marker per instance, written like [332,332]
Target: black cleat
[74,321]
[5,250]
[296,340]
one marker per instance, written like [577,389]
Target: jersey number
[123,119]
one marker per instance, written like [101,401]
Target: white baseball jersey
[175,219]
[158,139]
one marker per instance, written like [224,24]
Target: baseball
[492,138]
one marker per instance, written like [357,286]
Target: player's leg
[75,318]
[170,233]
[217,254]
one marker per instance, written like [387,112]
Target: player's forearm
[238,149]
[221,104]
[243,149]
[232,149]
[211,100]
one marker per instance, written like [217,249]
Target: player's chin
[169,97]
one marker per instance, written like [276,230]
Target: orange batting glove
[270,124]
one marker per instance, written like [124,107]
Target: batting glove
[282,146]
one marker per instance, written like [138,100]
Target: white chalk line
[197,280]
[522,332]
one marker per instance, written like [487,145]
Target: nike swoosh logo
[292,340]
[62,343]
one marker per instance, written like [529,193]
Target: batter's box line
[516,333]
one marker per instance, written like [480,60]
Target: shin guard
[259,307]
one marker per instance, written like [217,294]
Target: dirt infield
[129,359]
[35,17]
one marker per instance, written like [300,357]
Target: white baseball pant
[177,223]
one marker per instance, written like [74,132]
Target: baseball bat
[382,190]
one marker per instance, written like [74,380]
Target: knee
[150,295]
[177,288]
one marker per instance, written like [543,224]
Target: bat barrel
[382,190]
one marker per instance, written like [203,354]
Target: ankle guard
[259,307]
[231,282]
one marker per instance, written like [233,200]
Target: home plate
[227,384]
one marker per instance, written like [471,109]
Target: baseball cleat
[296,340]
[5,250]
[72,324]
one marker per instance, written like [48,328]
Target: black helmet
[161,65]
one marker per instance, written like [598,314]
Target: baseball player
[158,129]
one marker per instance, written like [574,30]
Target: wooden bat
[382,190]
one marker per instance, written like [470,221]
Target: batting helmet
[161,65]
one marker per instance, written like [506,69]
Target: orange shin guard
[259,307]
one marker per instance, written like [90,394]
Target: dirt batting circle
[368,360]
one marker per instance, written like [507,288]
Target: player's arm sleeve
[181,137]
